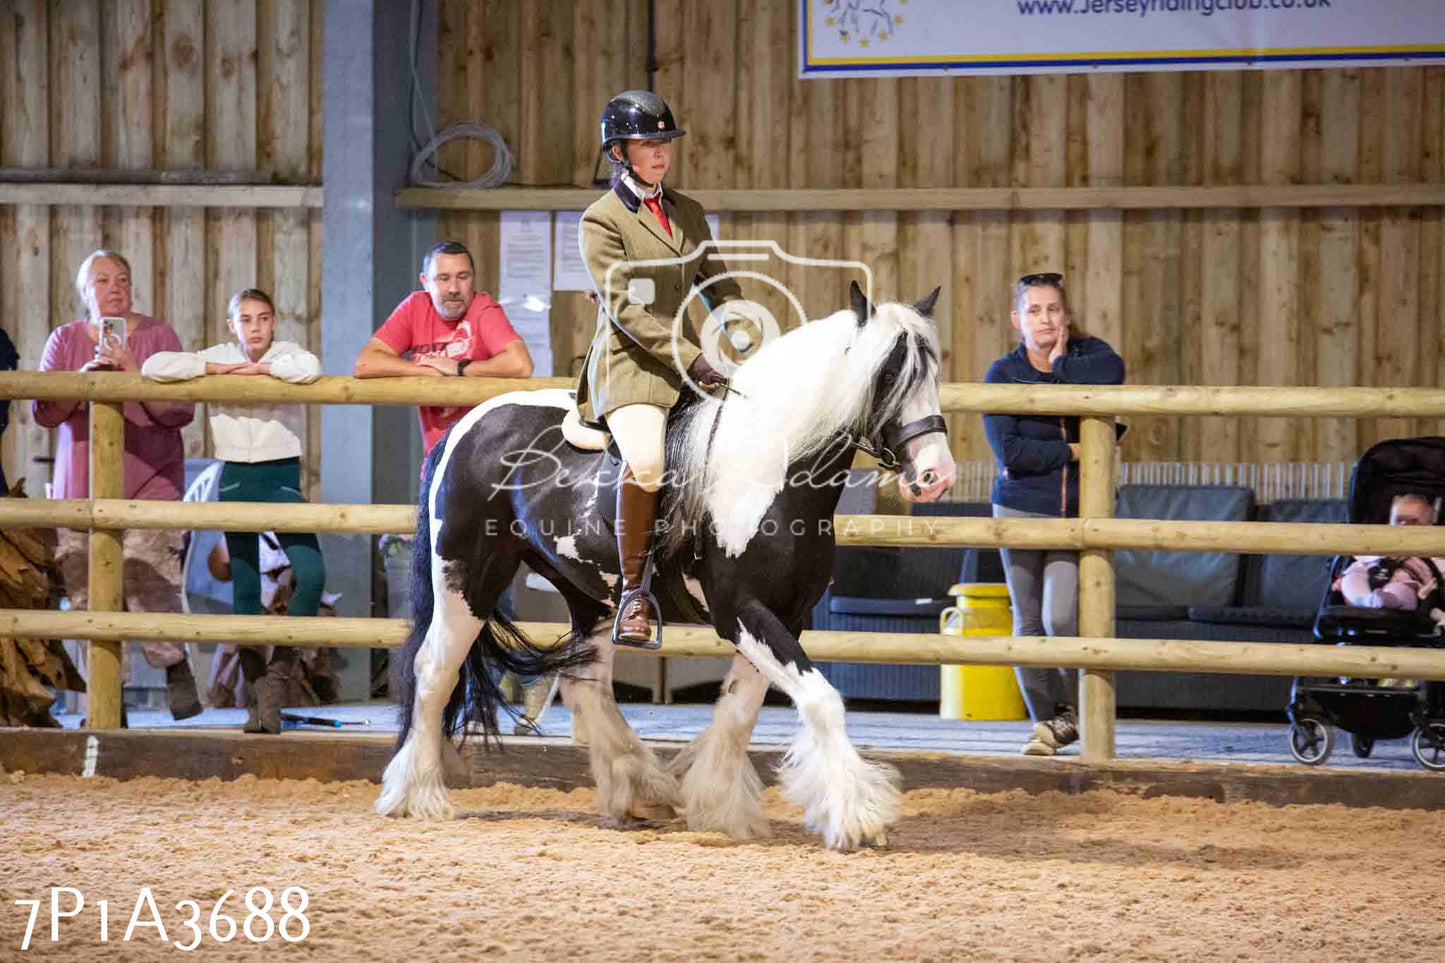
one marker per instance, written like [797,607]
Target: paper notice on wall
[524,286]
[569,270]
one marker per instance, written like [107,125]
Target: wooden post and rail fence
[1095,534]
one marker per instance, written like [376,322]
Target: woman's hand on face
[1061,344]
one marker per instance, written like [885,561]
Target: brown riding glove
[705,376]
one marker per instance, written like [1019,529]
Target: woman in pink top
[154,457]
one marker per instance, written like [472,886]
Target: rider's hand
[704,375]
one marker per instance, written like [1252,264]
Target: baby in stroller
[1381,601]
[1409,584]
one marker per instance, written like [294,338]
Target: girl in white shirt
[260,446]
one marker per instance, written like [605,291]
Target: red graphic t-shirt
[416,326]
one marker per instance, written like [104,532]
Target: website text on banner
[900,38]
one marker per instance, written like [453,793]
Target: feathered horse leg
[721,791]
[631,783]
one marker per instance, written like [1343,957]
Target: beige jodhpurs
[640,432]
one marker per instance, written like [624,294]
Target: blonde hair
[83,275]
[1431,505]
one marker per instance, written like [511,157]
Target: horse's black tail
[500,645]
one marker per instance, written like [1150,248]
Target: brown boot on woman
[271,690]
[636,514]
[253,670]
[181,689]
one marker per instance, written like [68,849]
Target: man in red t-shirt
[450,329]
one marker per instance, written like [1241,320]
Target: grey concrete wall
[370,262]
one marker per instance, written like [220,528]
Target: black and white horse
[746,541]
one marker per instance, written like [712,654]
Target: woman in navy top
[1038,477]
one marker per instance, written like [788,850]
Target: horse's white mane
[792,399]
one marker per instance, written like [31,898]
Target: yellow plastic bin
[983,692]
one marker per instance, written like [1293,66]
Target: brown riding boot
[636,513]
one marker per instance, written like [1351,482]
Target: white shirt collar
[636,187]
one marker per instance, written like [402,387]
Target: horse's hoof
[878,840]
[625,823]
[653,812]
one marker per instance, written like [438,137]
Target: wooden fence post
[107,480]
[1096,585]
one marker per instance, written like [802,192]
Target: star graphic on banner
[845,35]
[832,21]
[898,18]
[863,42]
[882,35]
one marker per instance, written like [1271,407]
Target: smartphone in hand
[112,336]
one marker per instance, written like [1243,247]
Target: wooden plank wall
[170,85]
[1328,296]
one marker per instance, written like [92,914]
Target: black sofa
[1163,595]
[898,590]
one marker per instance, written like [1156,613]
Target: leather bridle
[888,447]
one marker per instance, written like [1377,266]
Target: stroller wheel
[1429,746]
[1362,745]
[1311,740]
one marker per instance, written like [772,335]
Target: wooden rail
[248,196]
[1094,535]
[1066,534]
[1158,655]
[1101,400]
[1429,194]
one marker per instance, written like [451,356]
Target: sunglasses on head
[1050,277]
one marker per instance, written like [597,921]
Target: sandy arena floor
[529,875]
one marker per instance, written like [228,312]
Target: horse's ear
[925,307]
[859,303]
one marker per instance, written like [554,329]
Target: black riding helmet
[637,115]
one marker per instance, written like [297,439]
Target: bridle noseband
[887,448]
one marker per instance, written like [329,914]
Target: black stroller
[1372,709]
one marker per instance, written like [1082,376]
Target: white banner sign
[901,38]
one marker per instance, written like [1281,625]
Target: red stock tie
[654,204]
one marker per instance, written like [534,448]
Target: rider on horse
[640,243]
